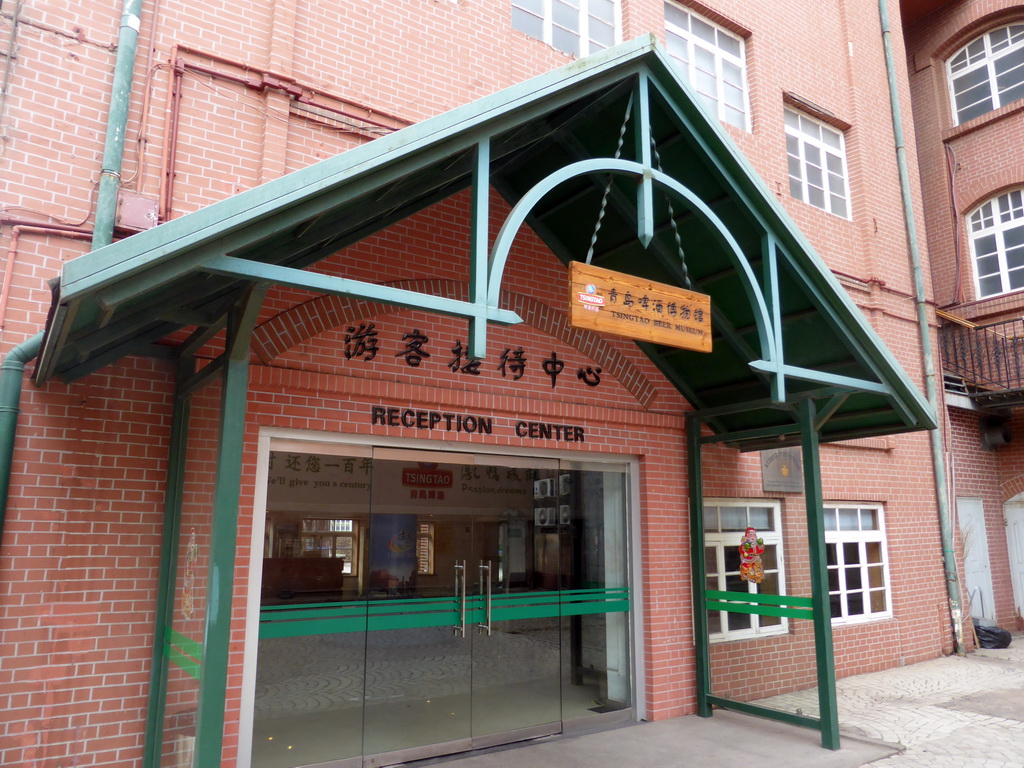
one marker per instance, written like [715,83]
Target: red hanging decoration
[751,548]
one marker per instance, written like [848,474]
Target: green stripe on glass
[330,618]
[186,644]
[183,652]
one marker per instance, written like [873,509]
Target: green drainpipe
[938,458]
[117,122]
[11,372]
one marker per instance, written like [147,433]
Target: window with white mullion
[997,244]
[713,61]
[725,521]
[816,156]
[856,562]
[987,73]
[576,27]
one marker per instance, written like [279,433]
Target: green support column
[168,578]
[702,654]
[829,715]
[224,531]
[479,255]
[645,188]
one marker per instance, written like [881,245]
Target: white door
[977,569]
[1014,512]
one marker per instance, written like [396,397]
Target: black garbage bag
[992,637]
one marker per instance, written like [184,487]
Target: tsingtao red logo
[427,476]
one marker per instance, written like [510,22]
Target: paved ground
[947,713]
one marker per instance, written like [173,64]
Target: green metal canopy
[617,131]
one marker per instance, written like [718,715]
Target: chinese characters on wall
[362,344]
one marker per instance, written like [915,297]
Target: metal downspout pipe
[13,367]
[117,122]
[938,458]
[11,373]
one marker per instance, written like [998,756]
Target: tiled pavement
[952,712]
[946,713]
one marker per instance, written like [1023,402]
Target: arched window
[987,73]
[997,244]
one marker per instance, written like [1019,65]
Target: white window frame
[839,534]
[806,137]
[998,222]
[710,85]
[527,15]
[981,58]
[723,540]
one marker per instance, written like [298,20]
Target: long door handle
[485,589]
[460,597]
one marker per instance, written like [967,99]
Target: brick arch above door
[304,321]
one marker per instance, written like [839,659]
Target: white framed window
[997,244]
[725,521]
[576,27]
[858,568]
[987,73]
[816,154]
[713,61]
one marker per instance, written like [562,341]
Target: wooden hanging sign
[624,305]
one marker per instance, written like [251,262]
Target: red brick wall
[78,567]
[962,165]
[986,473]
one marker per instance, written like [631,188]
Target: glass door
[517,647]
[311,663]
[419,603]
[418,647]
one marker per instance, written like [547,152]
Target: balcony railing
[987,359]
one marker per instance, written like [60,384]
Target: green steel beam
[642,136]
[478,248]
[865,346]
[698,570]
[170,537]
[204,376]
[516,218]
[822,377]
[202,336]
[145,346]
[833,405]
[751,434]
[790,718]
[342,286]
[823,652]
[719,322]
[770,260]
[223,534]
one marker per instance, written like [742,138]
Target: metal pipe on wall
[11,373]
[117,123]
[938,454]
[12,250]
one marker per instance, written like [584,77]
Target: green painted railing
[409,613]
[762,605]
